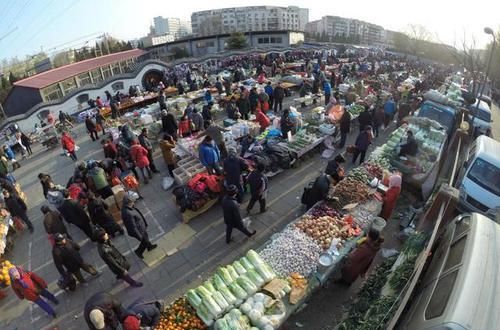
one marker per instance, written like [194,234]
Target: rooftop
[53,76]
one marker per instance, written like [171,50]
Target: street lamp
[487,30]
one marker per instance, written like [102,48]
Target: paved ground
[169,278]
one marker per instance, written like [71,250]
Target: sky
[28,26]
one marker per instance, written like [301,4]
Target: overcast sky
[32,25]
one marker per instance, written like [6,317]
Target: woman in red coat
[68,145]
[391,196]
[185,126]
[262,119]
[360,259]
[139,155]
[30,286]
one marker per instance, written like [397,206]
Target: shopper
[68,261]
[100,122]
[359,260]
[91,128]
[378,118]
[167,144]
[278,96]
[116,262]
[389,111]
[345,127]
[26,141]
[185,126]
[99,215]
[327,89]
[232,216]
[253,99]
[209,155]
[74,213]
[206,114]
[319,190]
[391,196]
[99,180]
[103,312]
[69,145]
[363,141]
[197,121]
[109,148]
[139,155]
[136,225]
[259,185]
[262,119]
[169,123]
[234,166]
[17,208]
[144,141]
[161,100]
[244,107]
[30,286]
[335,169]
[53,223]
[141,315]
[269,91]
[364,119]
[216,133]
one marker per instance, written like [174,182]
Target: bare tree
[471,59]
[419,36]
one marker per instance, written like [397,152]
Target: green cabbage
[238,291]
[246,263]
[193,298]
[239,268]
[218,282]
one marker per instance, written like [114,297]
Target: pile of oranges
[180,316]
[4,273]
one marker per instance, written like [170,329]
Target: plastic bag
[167,182]
[246,222]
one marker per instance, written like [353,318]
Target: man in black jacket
[103,311]
[345,127]
[68,260]
[169,124]
[17,208]
[53,222]
[161,100]
[74,213]
[258,188]
[136,225]
[98,211]
[232,216]
[144,141]
[278,96]
[91,128]
[364,119]
[142,314]
[233,168]
[116,261]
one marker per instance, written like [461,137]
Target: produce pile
[292,251]
[349,191]
[4,273]
[229,287]
[4,229]
[263,311]
[180,316]
[355,109]
[374,170]
[360,174]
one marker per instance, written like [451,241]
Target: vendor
[287,123]
[210,155]
[335,169]
[391,196]
[262,119]
[410,147]
[319,190]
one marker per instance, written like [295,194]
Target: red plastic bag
[131,182]
[115,181]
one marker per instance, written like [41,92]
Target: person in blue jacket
[210,155]
[389,111]
[208,97]
[269,91]
[9,153]
[327,88]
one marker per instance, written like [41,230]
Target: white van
[480,178]
[460,288]
[482,117]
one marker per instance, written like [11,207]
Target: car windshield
[481,114]
[443,117]
[486,175]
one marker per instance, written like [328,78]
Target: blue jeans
[44,305]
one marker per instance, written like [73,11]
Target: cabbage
[221,324]
[204,315]
[265,272]
[238,291]
[218,282]
[239,268]
[225,275]
[254,258]
[255,278]
[246,263]
[209,286]
[203,292]
[212,306]
[219,299]
[228,296]
[234,274]
[193,298]
[246,284]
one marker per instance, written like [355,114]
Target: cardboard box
[119,193]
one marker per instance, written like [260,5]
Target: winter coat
[390,107]
[68,143]
[286,124]
[363,141]
[345,122]
[144,141]
[233,166]
[169,124]
[359,260]
[231,211]
[110,150]
[98,177]
[327,88]
[262,119]
[258,183]
[111,308]
[139,155]
[318,191]
[98,211]
[67,257]
[148,313]
[113,258]
[134,221]
[184,127]
[35,284]
[231,111]
[89,123]
[53,223]
[244,105]
[364,119]
[253,98]
[197,120]
[279,93]
[16,206]
[209,154]
[390,200]
[166,150]
[206,113]
[269,90]
[215,132]
[74,213]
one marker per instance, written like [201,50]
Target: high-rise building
[171,26]
[248,19]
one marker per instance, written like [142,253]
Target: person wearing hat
[142,314]
[363,141]
[30,286]
[232,216]
[103,311]
[136,225]
[113,258]
[99,215]
[68,260]
[53,223]
[74,213]
[233,169]
[17,208]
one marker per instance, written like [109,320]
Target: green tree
[179,52]
[12,78]
[237,40]
[5,82]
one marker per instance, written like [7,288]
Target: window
[461,226]
[68,85]
[486,175]
[455,254]
[263,40]
[441,295]
[84,79]
[115,69]
[117,86]
[82,98]
[106,72]
[96,75]
[52,93]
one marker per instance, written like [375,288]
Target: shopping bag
[167,182]
[77,148]
[246,223]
